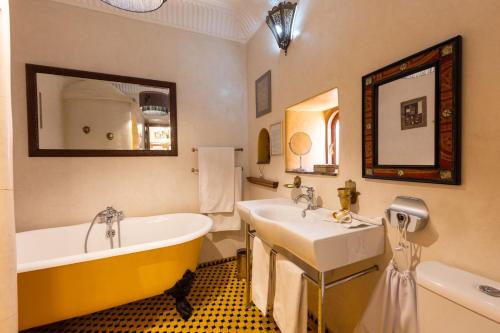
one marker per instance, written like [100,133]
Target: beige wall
[8,295]
[210,74]
[339,42]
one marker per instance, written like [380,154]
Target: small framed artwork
[276,139]
[263,94]
[414,113]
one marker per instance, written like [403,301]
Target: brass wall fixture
[110,136]
[350,184]
[344,194]
[347,197]
[86,129]
[297,182]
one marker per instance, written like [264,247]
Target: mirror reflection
[78,113]
[406,120]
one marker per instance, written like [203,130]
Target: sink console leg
[248,273]
[321,302]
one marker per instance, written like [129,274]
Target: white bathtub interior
[45,248]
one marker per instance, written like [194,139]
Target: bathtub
[57,280]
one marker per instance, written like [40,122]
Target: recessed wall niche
[264,147]
[313,124]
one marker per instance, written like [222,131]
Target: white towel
[374,221]
[356,221]
[216,179]
[393,305]
[260,274]
[290,300]
[230,221]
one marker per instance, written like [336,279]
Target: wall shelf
[312,173]
[263,182]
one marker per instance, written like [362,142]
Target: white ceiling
[236,20]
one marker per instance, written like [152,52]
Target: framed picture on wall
[276,139]
[263,94]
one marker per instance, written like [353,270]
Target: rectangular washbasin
[322,244]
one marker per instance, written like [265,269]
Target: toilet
[449,300]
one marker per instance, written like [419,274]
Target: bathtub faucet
[108,216]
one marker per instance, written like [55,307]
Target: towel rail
[194,170]
[235,149]
[320,282]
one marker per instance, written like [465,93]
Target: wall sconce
[280,21]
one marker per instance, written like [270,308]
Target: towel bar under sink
[320,282]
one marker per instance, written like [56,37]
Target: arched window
[333,138]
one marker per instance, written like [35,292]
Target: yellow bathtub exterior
[53,294]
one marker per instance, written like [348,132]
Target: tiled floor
[217,299]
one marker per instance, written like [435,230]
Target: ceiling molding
[235,20]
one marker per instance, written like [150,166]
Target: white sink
[321,244]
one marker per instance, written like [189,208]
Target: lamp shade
[280,21]
[154,104]
[137,6]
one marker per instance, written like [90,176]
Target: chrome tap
[108,216]
[311,200]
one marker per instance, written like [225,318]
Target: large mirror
[411,114]
[76,113]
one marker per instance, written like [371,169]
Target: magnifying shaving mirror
[300,145]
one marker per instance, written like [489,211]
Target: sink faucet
[309,196]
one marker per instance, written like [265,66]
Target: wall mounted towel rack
[194,170]
[235,149]
[320,282]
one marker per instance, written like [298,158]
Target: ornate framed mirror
[411,117]
[78,113]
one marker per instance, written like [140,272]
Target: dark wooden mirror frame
[32,103]
[446,58]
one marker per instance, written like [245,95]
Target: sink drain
[488,290]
